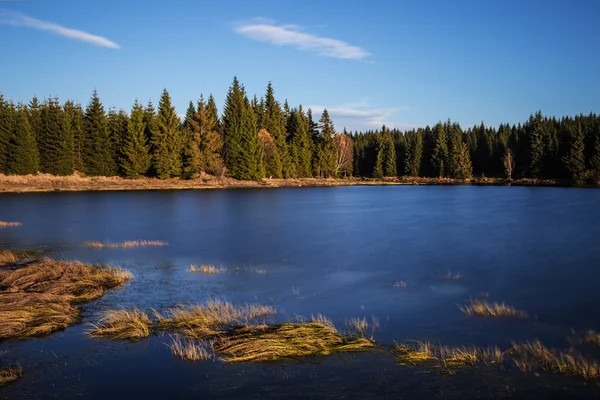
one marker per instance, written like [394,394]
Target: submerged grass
[207,269]
[131,324]
[8,224]
[190,349]
[128,243]
[287,340]
[39,298]
[485,309]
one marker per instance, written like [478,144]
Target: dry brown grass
[190,349]
[40,297]
[447,356]
[10,374]
[592,337]
[7,224]
[131,324]
[128,244]
[207,269]
[205,320]
[287,340]
[531,355]
[485,309]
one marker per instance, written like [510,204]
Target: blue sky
[369,62]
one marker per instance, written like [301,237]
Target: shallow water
[336,251]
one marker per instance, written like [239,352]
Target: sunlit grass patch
[131,324]
[8,224]
[592,337]
[485,309]
[287,340]
[422,352]
[190,349]
[531,355]
[127,244]
[205,320]
[207,269]
[39,298]
[10,374]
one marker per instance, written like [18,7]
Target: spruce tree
[461,159]
[273,120]
[389,153]
[35,117]
[98,155]
[439,158]
[595,160]
[77,119]
[301,148]
[211,140]
[575,160]
[414,153]
[118,122]
[135,156]
[24,157]
[536,145]
[271,163]
[8,116]
[56,140]
[189,116]
[167,140]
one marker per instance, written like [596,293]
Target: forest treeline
[257,138]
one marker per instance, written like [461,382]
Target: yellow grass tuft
[131,324]
[202,321]
[190,349]
[6,224]
[10,374]
[447,356]
[127,244]
[40,297]
[592,337]
[485,309]
[287,340]
[207,269]
[527,356]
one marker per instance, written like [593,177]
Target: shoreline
[76,183]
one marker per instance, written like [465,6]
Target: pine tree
[575,160]
[414,153]
[135,155]
[98,155]
[300,144]
[242,154]
[167,140]
[56,140]
[439,158]
[77,118]
[24,157]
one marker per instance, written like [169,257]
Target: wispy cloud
[361,116]
[293,35]
[18,19]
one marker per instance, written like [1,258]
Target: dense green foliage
[259,138]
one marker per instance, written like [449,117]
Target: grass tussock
[127,244]
[207,269]
[205,320]
[190,349]
[287,340]
[40,297]
[10,374]
[8,224]
[447,356]
[592,337]
[486,309]
[131,324]
[533,355]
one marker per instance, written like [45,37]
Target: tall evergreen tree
[326,156]
[439,158]
[414,153]
[536,144]
[98,155]
[135,155]
[56,140]
[8,116]
[389,153]
[24,157]
[595,160]
[300,143]
[274,122]
[167,140]
[461,159]
[35,116]
[77,119]
[575,160]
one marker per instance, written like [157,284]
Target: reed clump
[127,244]
[132,324]
[205,320]
[9,224]
[40,297]
[10,374]
[286,340]
[485,309]
[190,349]
[422,352]
[207,269]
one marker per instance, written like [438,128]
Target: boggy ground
[76,182]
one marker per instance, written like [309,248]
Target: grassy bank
[51,183]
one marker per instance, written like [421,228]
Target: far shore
[78,183]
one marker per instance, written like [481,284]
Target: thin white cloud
[18,19]
[292,35]
[360,116]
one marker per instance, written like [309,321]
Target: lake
[336,251]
